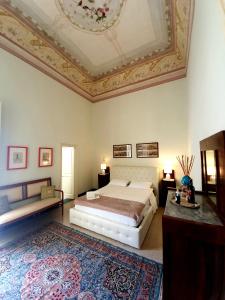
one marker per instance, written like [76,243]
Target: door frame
[75,164]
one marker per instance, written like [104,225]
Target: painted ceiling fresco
[118,49]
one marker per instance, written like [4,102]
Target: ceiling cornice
[21,37]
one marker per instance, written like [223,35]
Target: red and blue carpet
[58,262]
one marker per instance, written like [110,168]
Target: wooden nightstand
[163,190]
[103,179]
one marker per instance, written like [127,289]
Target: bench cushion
[27,210]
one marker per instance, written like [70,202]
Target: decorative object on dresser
[186,164]
[147,150]
[193,252]
[187,189]
[122,151]
[213,171]
[45,157]
[177,199]
[115,225]
[17,157]
[164,184]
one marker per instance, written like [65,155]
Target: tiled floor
[151,248]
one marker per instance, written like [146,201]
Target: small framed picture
[147,150]
[17,157]
[122,151]
[45,157]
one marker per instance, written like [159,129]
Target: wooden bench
[25,200]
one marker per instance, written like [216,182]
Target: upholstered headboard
[137,173]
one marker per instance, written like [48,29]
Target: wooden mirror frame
[216,143]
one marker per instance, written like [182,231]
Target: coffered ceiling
[146,45]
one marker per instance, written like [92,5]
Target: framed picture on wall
[122,151]
[45,157]
[17,157]
[147,150]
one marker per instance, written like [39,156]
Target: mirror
[210,161]
[213,170]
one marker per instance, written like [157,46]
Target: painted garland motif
[91,15]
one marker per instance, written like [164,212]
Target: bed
[108,223]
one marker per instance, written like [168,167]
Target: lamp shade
[103,166]
[168,170]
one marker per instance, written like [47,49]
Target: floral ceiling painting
[100,48]
[91,15]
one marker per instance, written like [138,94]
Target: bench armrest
[61,192]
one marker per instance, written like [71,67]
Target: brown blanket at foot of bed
[132,209]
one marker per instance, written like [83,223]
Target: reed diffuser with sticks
[186,162]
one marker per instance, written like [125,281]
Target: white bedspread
[145,196]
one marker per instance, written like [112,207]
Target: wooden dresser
[193,252]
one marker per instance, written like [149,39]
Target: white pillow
[119,182]
[140,184]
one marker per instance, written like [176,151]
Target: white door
[68,171]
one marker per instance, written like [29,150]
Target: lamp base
[168,176]
[103,171]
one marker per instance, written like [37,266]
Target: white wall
[157,114]
[38,111]
[206,77]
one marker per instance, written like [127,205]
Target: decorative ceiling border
[32,25]
[19,37]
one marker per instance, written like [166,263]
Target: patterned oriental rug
[57,262]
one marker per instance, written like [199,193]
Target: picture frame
[122,151]
[17,157]
[45,157]
[147,150]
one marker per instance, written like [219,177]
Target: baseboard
[67,200]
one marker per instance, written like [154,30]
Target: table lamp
[103,167]
[168,171]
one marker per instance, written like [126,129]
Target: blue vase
[186,180]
